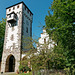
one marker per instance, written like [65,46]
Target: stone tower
[18,24]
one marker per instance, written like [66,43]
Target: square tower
[18,24]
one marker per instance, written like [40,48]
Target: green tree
[42,59]
[28,49]
[61,27]
[37,59]
[2,33]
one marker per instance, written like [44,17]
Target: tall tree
[2,32]
[61,26]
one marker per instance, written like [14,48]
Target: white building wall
[14,32]
[49,42]
[12,45]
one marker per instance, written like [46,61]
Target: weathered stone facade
[17,16]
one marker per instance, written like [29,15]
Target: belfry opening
[10,64]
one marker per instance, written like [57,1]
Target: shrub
[24,68]
[27,68]
[21,67]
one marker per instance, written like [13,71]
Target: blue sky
[39,9]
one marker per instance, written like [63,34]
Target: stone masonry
[18,24]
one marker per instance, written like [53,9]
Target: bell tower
[18,24]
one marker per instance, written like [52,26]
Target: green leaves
[60,26]
[2,33]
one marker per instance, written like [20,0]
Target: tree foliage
[2,33]
[43,59]
[61,27]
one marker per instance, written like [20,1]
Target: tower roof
[20,3]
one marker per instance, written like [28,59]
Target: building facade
[18,25]
[45,42]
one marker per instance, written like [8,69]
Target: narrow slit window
[13,8]
[18,6]
[25,7]
[44,40]
[12,37]
[9,9]
[27,11]
[27,29]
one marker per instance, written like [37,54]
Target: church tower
[18,24]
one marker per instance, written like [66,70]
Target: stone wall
[13,35]
[5,60]
[12,47]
